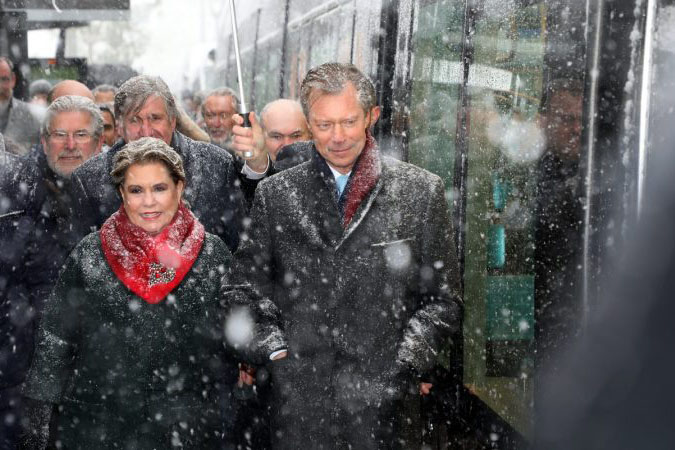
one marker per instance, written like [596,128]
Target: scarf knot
[152,266]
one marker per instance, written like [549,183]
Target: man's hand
[246,375]
[250,142]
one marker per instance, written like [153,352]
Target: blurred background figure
[110,134]
[217,109]
[17,121]
[69,87]
[559,217]
[38,91]
[104,93]
[615,388]
[190,103]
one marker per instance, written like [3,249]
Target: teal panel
[510,307]
[496,246]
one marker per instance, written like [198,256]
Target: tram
[539,115]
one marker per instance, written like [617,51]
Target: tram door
[477,95]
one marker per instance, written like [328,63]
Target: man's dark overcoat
[212,189]
[130,374]
[19,188]
[360,306]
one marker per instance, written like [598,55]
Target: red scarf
[366,173]
[152,266]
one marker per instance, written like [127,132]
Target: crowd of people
[169,277]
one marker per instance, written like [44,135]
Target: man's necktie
[341,182]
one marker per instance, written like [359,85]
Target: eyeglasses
[223,116]
[79,136]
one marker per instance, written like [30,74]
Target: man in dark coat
[356,250]
[19,188]
[72,133]
[145,107]
[18,122]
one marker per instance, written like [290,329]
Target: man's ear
[374,115]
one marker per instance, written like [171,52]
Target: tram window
[505,141]
[436,75]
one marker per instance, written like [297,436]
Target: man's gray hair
[143,151]
[222,92]
[134,92]
[332,78]
[74,103]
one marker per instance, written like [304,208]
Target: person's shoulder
[94,166]
[90,242]
[294,154]
[285,179]
[214,244]
[206,150]
[214,253]
[89,247]
[18,175]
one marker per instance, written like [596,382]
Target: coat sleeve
[58,336]
[439,315]
[247,290]
[84,219]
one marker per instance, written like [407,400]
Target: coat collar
[321,171]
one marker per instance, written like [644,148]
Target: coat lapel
[323,190]
[361,212]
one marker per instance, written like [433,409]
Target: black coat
[129,374]
[293,154]
[19,190]
[360,307]
[212,189]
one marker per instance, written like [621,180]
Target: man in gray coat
[356,250]
[18,123]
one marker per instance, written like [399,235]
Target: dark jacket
[19,188]
[127,373]
[56,233]
[212,189]
[293,154]
[360,307]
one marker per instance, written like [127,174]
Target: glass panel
[505,142]
[436,75]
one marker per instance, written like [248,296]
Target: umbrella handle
[247,121]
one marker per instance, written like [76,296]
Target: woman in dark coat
[131,344]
